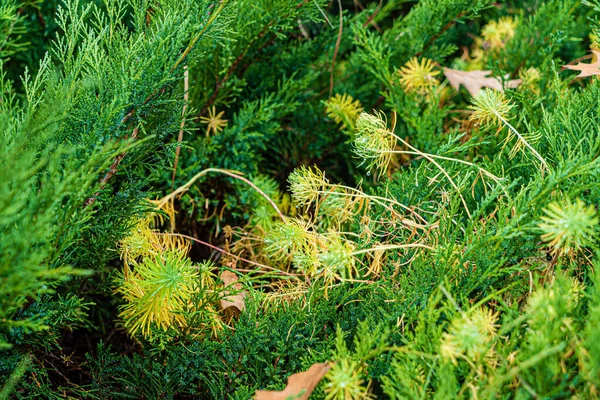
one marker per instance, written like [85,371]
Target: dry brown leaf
[474,81]
[237,300]
[587,69]
[299,386]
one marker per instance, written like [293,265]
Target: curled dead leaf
[587,69]
[474,81]
[237,300]
[299,386]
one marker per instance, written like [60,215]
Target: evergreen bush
[279,199]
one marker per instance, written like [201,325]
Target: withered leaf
[474,81]
[299,386]
[587,69]
[237,300]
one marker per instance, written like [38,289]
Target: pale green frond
[490,107]
[374,142]
[306,183]
[569,226]
[343,109]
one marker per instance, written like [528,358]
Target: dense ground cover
[374,199]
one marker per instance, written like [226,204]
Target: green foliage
[334,199]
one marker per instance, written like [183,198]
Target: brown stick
[437,35]
[236,62]
[372,17]
[231,69]
[112,171]
[337,48]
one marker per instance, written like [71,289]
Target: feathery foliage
[199,199]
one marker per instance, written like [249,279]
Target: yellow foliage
[343,109]
[419,77]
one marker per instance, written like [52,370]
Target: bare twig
[184,188]
[112,171]
[232,69]
[212,19]
[372,17]
[337,48]
[392,247]
[437,35]
[212,246]
[323,13]
[236,62]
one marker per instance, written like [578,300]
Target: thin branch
[323,13]
[512,128]
[421,155]
[231,69]
[437,35]
[382,201]
[372,17]
[236,62]
[212,246]
[112,171]
[212,19]
[392,247]
[337,48]
[185,188]
[429,158]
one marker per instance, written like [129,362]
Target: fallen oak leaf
[586,69]
[238,300]
[300,385]
[474,81]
